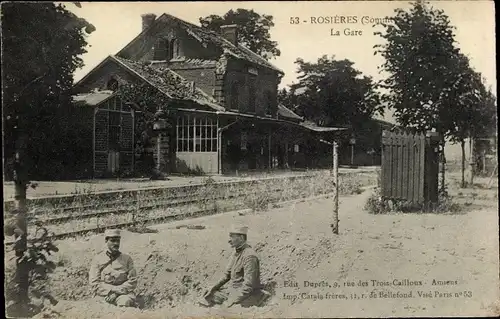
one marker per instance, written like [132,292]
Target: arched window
[234,96]
[161,50]
[175,48]
[112,84]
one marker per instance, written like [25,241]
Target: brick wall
[101,142]
[265,82]
[204,78]
[126,142]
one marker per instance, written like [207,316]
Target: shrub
[35,259]
[377,205]
[259,197]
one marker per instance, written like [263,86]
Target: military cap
[112,233]
[239,230]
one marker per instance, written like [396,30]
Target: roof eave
[106,59]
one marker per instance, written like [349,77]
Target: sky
[117,23]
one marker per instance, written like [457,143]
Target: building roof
[384,123]
[286,112]
[169,82]
[206,37]
[313,127]
[93,98]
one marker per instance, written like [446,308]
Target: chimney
[230,33]
[147,20]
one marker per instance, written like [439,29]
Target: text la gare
[346,32]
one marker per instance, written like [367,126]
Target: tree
[473,114]
[332,92]
[42,43]
[421,60]
[253,30]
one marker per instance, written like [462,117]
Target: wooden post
[158,151]
[492,175]
[471,182]
[352,154]
[332,172]
[443,164]
[270,160]
[287,166]
[219,148]
[335,224]
[484,161]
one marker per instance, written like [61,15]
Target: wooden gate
[410,166]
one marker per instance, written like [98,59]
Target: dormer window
[161,50]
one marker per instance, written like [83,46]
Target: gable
[167,28]
[99,77]
[210,44]
[168,82]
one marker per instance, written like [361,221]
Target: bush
[259,198]
[35,258]
[377,205]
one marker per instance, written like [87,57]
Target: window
[115,104]
[269,105]
[244,139]
[234,96]
[251,98]
[196,134]
[161,50]
[114,131]
[112,84]
[175,49]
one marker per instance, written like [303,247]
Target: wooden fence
[410,166]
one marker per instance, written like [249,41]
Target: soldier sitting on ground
[243,273]
[112,274]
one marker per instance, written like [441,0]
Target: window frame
[268,96]
[174,52]
[161,50]
[234,96]
[196,134]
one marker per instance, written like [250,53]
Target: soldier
[243,272]
[112,274]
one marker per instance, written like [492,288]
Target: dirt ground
[295,244]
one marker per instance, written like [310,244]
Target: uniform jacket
[107,275]
[244,273]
